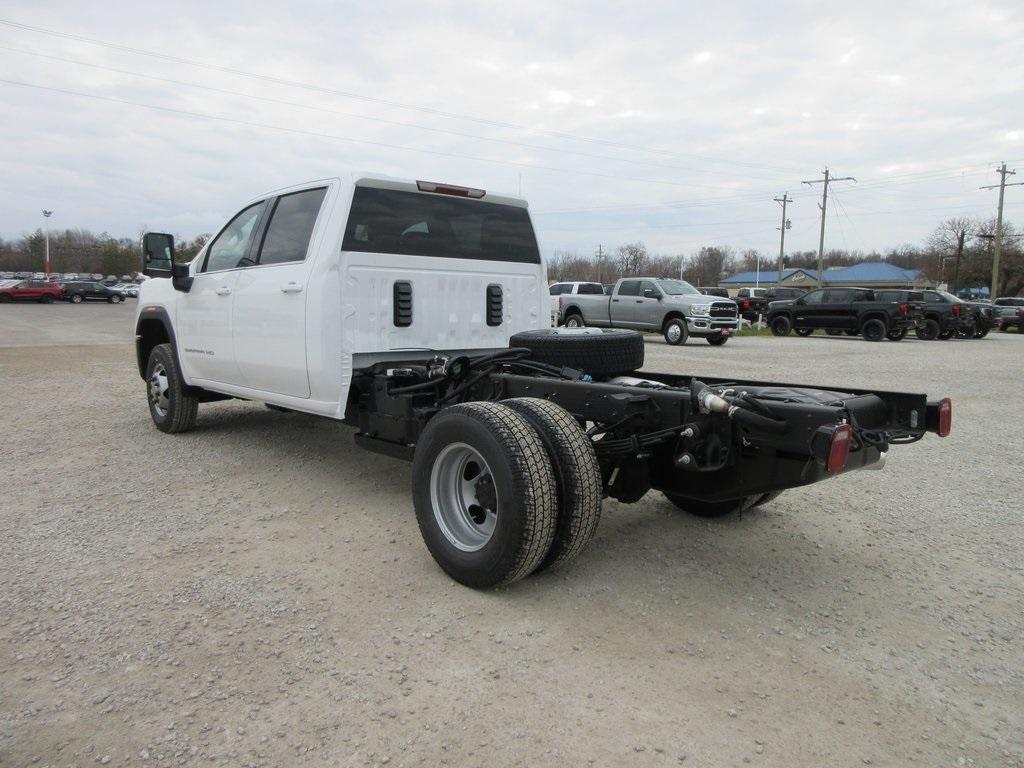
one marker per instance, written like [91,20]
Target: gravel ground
[256,592]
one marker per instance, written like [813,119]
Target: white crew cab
[305,284]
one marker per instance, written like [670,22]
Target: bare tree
[632,258]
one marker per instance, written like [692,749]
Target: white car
[417,312]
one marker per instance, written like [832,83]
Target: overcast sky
[671,123]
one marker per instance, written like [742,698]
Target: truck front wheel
[172,408]
[485,494]
[675,332]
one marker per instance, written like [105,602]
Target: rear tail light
[839,448]
[746,305]
[945,417]
[904,308]
[449,189]
[956,310]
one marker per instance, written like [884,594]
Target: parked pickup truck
[753,303]
[31,290]
[673,307]
[417,313]
[1010,313]
[562,289]
[944,314]
[853,310]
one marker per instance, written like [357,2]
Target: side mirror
[180,278]
[157,254]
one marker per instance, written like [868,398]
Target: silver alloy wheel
[158,387]
[674,332]
[463,497]
[573,321]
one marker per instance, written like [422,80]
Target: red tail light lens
[449,189]
[839,448]
[945,417]
[956,310]
[904,308]
[746,305]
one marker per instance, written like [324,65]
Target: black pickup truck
[850,310]
[944,314]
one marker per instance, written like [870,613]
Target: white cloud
[609,108]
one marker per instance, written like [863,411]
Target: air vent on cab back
[402,303]
[494,305]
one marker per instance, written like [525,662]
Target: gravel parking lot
[256,592]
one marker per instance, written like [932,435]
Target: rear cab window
[287,236]
[424,224]
[629,288]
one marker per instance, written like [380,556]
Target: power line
[370,118]
[823,205]
[378,100]
[322,135]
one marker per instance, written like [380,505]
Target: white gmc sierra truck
[418,313]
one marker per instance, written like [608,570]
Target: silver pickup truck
[673,307]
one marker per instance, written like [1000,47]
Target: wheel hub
[674,332]
[158,389]
[463,497]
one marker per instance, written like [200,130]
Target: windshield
[676,287]
[951,297]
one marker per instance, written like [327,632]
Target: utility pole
[786,224]
[46,225]
[1003,173]
[960,236]
[822,205]
[600,260]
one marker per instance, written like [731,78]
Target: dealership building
[867,274]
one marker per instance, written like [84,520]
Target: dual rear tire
[502,490]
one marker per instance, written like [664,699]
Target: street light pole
[46,225]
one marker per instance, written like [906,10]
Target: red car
[31,290]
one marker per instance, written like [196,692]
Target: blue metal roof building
[869,274]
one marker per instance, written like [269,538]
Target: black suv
[77,292]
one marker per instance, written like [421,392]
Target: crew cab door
[204,324]
[809,310]
[622,307]
[269,311]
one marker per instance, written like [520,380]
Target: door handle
[639,301]
[223,291]
[291,288]
[616,301]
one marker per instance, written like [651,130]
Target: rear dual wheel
[873,330]
[489,505]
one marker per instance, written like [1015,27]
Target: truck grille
[723,309]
